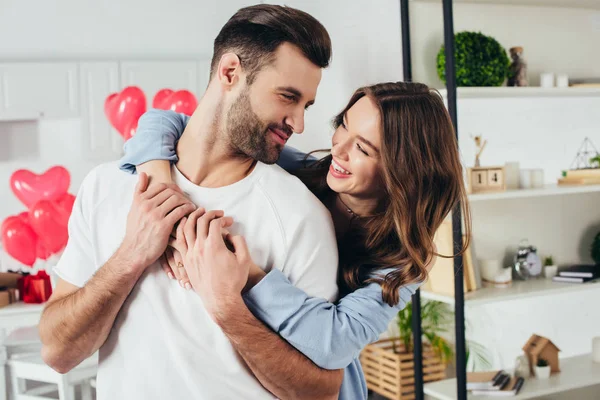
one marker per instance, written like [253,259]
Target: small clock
[534,264]
[527,262]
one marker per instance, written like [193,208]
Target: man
[154,339]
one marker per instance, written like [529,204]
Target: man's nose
[296,121]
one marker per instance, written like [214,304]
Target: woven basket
[389,368]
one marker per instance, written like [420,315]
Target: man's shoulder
[104,180]
[288,194]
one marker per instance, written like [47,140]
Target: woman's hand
[216,273]
[172,259]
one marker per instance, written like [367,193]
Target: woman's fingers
[166,267]
[184,280]
[169,266]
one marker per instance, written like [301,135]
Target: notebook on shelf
[491,380]
[512,388]
[580,271]
[569,279]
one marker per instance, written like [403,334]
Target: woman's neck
[344,209]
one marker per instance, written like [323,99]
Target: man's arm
[279,367]
[77,321]
[218,275]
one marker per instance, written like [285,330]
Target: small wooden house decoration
[540,347]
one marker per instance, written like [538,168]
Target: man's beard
[248,134]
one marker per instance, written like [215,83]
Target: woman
[392,177]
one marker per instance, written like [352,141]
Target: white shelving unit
[517,290]
[591,4]
[516,92]
[576,372]
[548,190]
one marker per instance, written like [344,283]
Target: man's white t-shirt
[163,344]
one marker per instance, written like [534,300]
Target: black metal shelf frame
[459,307]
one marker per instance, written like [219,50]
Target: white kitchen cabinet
[152,76]
[32,90]
[97,81]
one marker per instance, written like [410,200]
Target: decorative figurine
[518,68]
[480,146]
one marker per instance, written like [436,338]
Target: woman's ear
[229,70]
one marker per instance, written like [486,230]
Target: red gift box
[35,288]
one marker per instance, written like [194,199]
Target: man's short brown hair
[254,33]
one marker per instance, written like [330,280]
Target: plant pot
[550,271]
[389,368]
[542,372]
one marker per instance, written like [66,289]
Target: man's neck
[206,158]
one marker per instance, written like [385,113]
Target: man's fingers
[178,213]
[189,230]
[153,190]
[171,203]
[203,223]
[226,222]
[240,248]
[142,184]
[215,234]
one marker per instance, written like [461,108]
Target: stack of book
[495,383]
[583,176]
[578,274]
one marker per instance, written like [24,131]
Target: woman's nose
[340,149]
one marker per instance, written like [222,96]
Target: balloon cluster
[42,230]
[125,108]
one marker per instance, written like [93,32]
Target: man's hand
[216,273]
[154,212]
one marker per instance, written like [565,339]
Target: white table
[19,314]
[14,316]
[576,372]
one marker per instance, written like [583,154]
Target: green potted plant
[595,161]
[437,319]
[392,361]
[542,369]
[480,60]
[550,268]
[596,249]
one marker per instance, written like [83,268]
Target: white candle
[537,178]
[596,349]
[511,175]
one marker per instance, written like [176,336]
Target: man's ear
[229,70]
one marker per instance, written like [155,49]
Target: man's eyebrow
[290,89]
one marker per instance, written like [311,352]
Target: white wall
[559,40]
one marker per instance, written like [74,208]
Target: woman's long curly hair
[423,182]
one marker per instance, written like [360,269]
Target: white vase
[542,372]
[550,271]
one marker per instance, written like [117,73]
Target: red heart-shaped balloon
[125,107]
[31,188]
[64,205]
[19,240]
[41,252]
[160,97]
[130,129]
[47,222]
[181,101]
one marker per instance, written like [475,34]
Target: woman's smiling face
[356,166]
